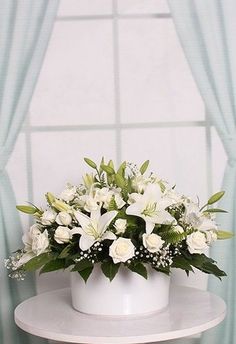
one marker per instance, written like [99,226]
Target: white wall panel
[156,83]
[84,7]
[76,81]
[176,154]
[58,157]
[143,6]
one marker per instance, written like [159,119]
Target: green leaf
[111,164]
[180,262]
[112,204]
[216,197]
[144,167]
[86,273]
[139,268]
[214,210]
[110,269]
[65,252]
[120,181]
[82,265]
[213,269]
[53,265]
[107,169]
[90,163]
[27,209]
[121,169]
[38,261]
[222,235]
[172,237]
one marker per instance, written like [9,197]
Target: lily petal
[109,235]
[149,227]
[83,219]
[85,242]
[105,220]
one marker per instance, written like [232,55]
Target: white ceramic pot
[127,294]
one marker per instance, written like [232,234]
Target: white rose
[121,250]
[48,217]
[68,194]
[152,242]
[120,226]
[196,242]
[62,235]
[28,236]
[40,243]
[63,218]
[211,236]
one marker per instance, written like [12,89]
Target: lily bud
[60,205]
[88,180]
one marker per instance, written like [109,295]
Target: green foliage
[27,209]
[214,210]
[180,262]
[108,169]
[110,269]
[121,169]
[65,252]
[222,235]
[139,268]
[90,163]
[82,265]
[86,273]
[112,204]
[204,263]
[216,197]
[144,167]
[38,261]
[172,237]
[120,181]
[53,265]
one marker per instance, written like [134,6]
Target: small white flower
[68,194]
[152,242]
[121,250]
[48,217]
[63,218]
[120,226]
[197,242]
[63,234]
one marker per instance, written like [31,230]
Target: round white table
[50,315]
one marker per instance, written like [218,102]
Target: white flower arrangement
[115,218]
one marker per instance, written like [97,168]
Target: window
[115,83]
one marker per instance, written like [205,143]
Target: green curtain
[25,28]
[207,32]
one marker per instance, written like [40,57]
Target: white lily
[94,228]
[151,207]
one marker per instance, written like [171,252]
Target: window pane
[175,154]
[156,83]
[76,81]
[84,7]
[143,6]
[58,158]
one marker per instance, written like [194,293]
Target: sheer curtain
[207,31]
[25,28]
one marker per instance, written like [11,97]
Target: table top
[50,315]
